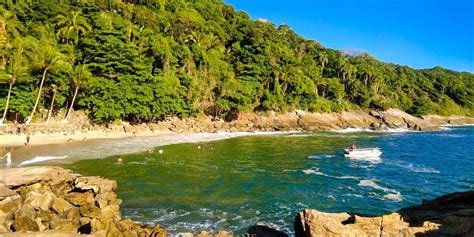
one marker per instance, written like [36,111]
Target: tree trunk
[51,108]
[37,97]
[8,101]
[72,103]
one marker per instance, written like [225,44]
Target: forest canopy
[141,61]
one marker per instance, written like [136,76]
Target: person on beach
[27,143]
[8,157]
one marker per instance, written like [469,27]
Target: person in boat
[353,147]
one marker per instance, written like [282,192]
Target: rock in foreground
[449,215]
[52,201]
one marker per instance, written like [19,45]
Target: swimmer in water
[119,160]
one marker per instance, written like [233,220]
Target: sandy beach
[13,140]
[57,133]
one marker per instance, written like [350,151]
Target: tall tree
[46,57]
[54,90]
[79,76]
[15,70]
[72,26]
[323,60]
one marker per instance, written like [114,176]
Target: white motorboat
[363,153]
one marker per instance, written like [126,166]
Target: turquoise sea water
[232,184]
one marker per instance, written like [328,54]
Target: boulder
[26,210]
[73,215]
[84,221]
[90,210]
[79,199]
[63,224]
[60,205]
[111,212]
[6,192]
[264,230]
[8,206]
[45,215]
[61,187]
[40,200]
[96,184]
[25,224]
[449,215]
[17,177]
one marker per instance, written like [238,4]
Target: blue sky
[417,33]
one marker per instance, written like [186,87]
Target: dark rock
[263,230]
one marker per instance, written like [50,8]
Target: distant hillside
[141,61]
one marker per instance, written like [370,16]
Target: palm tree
[80,76]
[15,70]
[72,25]
[323,59]
[46,57]
[54,89]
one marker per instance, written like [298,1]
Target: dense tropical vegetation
[143,60]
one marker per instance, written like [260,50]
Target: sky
[417,33]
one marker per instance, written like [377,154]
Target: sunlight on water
[232,184]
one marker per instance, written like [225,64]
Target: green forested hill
[140,61]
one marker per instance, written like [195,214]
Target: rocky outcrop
[449,215]
[269,121]
[263,230]
[52,201]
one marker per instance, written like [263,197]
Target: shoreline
[14,136]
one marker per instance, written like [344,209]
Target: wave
[351,130]
[449,135]
[458,125]
[317,172]
[397,130]
[321,156]
[358,130]
[311,171]
[391,194]
[418,168]
[41,159]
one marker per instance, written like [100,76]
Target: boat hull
[371,153]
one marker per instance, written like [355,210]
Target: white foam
[458,125]
[397,130]
[397,197]
[391,194]
[311,171]
[321,156]
[41,159]
[352,130]
[317,172]
[418,168]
